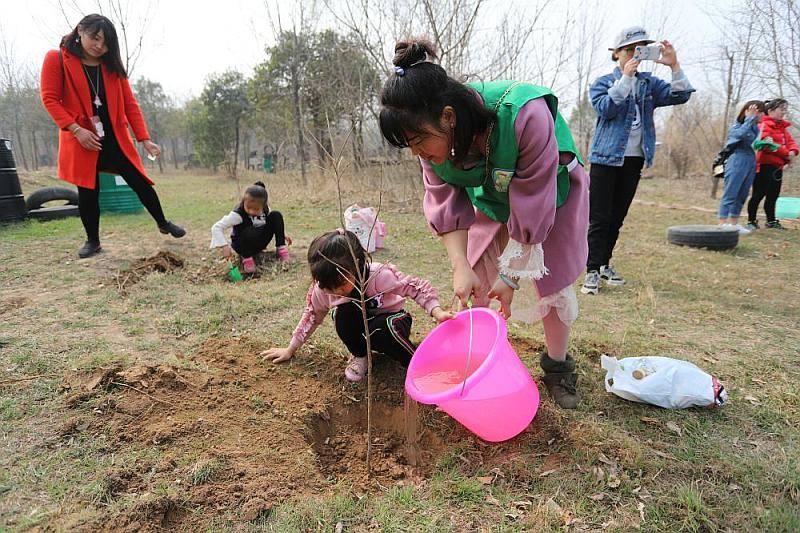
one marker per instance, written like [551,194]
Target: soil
[163,261]
[234,437]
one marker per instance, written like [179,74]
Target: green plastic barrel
[116,196]
[787,207]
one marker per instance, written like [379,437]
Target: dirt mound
[163,261]
[235,437]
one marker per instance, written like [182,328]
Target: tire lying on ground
[37,199]
[704,236]
[53,213]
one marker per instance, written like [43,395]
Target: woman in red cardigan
[85,89]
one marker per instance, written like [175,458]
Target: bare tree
[132,20]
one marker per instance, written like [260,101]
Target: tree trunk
[174,144]
[301,150]
[35,150]
[236,148]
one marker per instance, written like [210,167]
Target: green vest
[490,193]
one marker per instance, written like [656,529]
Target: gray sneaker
[591,283]
[610,276]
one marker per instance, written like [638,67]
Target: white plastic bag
[363,222]
[662,381]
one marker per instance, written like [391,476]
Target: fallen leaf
[734,487]
[554,507]
[648,420]
[512,516]
[522,503]
[486,480]
[492,500]
[548,472]
[675,428]
[339,527]
[753,400]
[598,474]
[640,506]
[663,454]
[605,459]
[613,481]
[597,497]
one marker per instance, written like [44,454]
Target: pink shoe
[356,368]
[283,254]
[249,264]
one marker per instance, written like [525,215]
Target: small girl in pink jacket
[336,287]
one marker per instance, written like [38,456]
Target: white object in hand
[151,157]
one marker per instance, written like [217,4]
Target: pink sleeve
[390,280]
[313,315]
[447,207]
[532,192]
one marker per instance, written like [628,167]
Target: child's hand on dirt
[277,355]
[226,251]
[440,315]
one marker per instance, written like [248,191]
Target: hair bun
[411,51]
[260,184]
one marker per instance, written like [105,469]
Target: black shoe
[774,224]
[561,381]
[89,249]
[173,229]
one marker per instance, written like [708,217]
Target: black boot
[173,229]
[89,249]
[561,381]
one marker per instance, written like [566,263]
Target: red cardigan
[66,96]
[778,130]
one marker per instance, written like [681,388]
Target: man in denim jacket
[624,141]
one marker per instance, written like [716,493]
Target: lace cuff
[523,261]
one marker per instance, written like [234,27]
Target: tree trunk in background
[236,148]
[174,143]
[35,150]
[301,149]
[20,144]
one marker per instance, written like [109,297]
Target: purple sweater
[532,197]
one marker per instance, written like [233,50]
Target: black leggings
[389,332]
[766,185]
[611,191]
[89,199]
[253,240]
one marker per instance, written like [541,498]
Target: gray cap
[634,34]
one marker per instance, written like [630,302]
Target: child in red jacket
[769,164]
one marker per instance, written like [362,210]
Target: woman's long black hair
[415,94]
[94,24]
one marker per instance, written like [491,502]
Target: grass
[734,313]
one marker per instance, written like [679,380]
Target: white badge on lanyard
[98,126]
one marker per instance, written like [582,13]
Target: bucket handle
[469,350]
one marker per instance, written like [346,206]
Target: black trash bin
[12,203]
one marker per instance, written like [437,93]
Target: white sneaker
[591,283]
[610,276]
[742,229]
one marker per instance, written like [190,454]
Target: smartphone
[649,52]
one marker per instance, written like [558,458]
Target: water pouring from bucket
[499,397]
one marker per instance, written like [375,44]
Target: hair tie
[340,231]
[400,71]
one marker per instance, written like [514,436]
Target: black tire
[51,194]
[703,236]
[54,213]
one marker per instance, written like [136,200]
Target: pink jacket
[387,286]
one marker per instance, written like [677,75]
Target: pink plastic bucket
[500,398]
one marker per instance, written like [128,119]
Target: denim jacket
[614,119]
[741,136]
